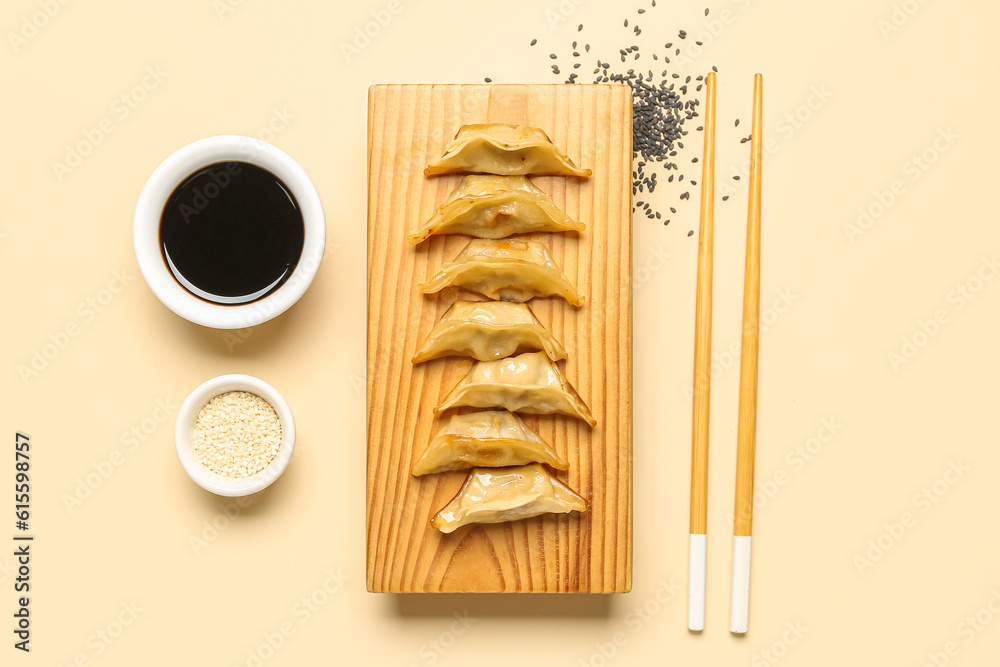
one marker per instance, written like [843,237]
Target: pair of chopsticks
[747,425]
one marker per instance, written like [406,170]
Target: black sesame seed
[626,23]
[579,27]
[533,42]
[553,56]
[736,178]
[737,123]
[682,34]
[488,80]
[725,198]
[706,11]
[714,68]
[691,232]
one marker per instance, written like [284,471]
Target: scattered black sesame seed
[736,178]
[714,68]
[694,159]
[488,80]
[533,42]
[725,198]
[706,11]
[660,107]
[698,43]
[691,232]
[579,27]
[737,123]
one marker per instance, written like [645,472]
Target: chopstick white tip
[739,611]
[697,563]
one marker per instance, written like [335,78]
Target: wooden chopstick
[747,425]
[697,559]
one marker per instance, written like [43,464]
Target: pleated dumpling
[528,383]
[487,330]
[498,495]
[488,439]
[508,269]
[506,150]
[493,207]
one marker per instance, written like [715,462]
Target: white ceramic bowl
[146,230]
[184,431]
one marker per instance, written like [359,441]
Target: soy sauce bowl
[172,172]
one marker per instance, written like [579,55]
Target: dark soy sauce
[231,233]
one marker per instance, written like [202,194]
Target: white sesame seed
[237,434]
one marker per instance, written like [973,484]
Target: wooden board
[409,126]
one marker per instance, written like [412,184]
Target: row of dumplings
[515,354]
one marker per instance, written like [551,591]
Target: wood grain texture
[408,126]
[703,323]
[746,430]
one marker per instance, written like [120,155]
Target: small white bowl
[184,432]
[146,230]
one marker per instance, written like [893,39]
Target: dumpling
[507,150]
[527,383]
[498,495]
[508,269]
[492,207]
[487,330]
[489,439]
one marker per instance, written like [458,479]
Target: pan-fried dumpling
[508,269]
[506,150]
[527,383]
[489,439]
[498,495]
[487,330]
[492,207]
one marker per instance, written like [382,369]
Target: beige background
[850,301]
